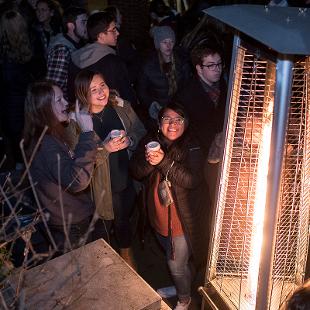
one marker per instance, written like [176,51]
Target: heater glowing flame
[259,207]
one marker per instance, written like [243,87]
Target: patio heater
[260,239]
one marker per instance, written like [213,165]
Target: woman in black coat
[180,225]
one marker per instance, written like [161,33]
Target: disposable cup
[153,146]
[115,133]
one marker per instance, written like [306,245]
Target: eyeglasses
[170,120]
[213,67]
[113,30]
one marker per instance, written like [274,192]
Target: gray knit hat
[161,33]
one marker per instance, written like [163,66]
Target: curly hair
[204,50]
[15,43]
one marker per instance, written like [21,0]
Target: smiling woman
[112,114]
[61,174]
[61,105]
[175,195]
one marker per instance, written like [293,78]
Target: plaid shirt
[58,65]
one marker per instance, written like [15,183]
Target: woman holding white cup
[171,165]
[119,130]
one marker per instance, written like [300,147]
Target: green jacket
[100,182]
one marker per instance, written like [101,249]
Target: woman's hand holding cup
[153,153]
[118,141]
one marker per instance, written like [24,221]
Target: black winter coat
[188,187]
[206,118]
[153,84]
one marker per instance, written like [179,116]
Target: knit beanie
[161,33]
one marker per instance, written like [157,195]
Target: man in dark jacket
[100,56]
[205,96]
[204,99]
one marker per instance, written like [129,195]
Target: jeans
[178,266]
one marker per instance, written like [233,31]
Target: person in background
[163,15]
[48,22]
[163,73]
[60,173]
[120,130]
[179,223]
[64,44]
[204,98]
[100,56]
[28,9]
[300,299]
[19,66]
[126,49]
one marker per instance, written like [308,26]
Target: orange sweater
[159,216]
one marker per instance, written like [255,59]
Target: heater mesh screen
[250,110]
[241,177]
[293,220]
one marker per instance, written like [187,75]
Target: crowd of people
[100,127]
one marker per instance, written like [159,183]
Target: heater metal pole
[284,74]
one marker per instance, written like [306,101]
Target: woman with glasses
[175,201]
[120,130]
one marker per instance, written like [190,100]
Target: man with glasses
[101,57]
[204,99]
[205,95]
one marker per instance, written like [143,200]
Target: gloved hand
[83,118]
[154,108]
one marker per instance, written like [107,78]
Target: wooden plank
[91,277]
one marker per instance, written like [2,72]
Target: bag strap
[166,177]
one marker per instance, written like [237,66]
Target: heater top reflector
[285,30]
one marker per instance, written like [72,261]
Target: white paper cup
[115,133]
[153,146]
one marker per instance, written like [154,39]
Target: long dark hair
[39,114]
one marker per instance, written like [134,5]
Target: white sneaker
[181,306]
[167,292]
